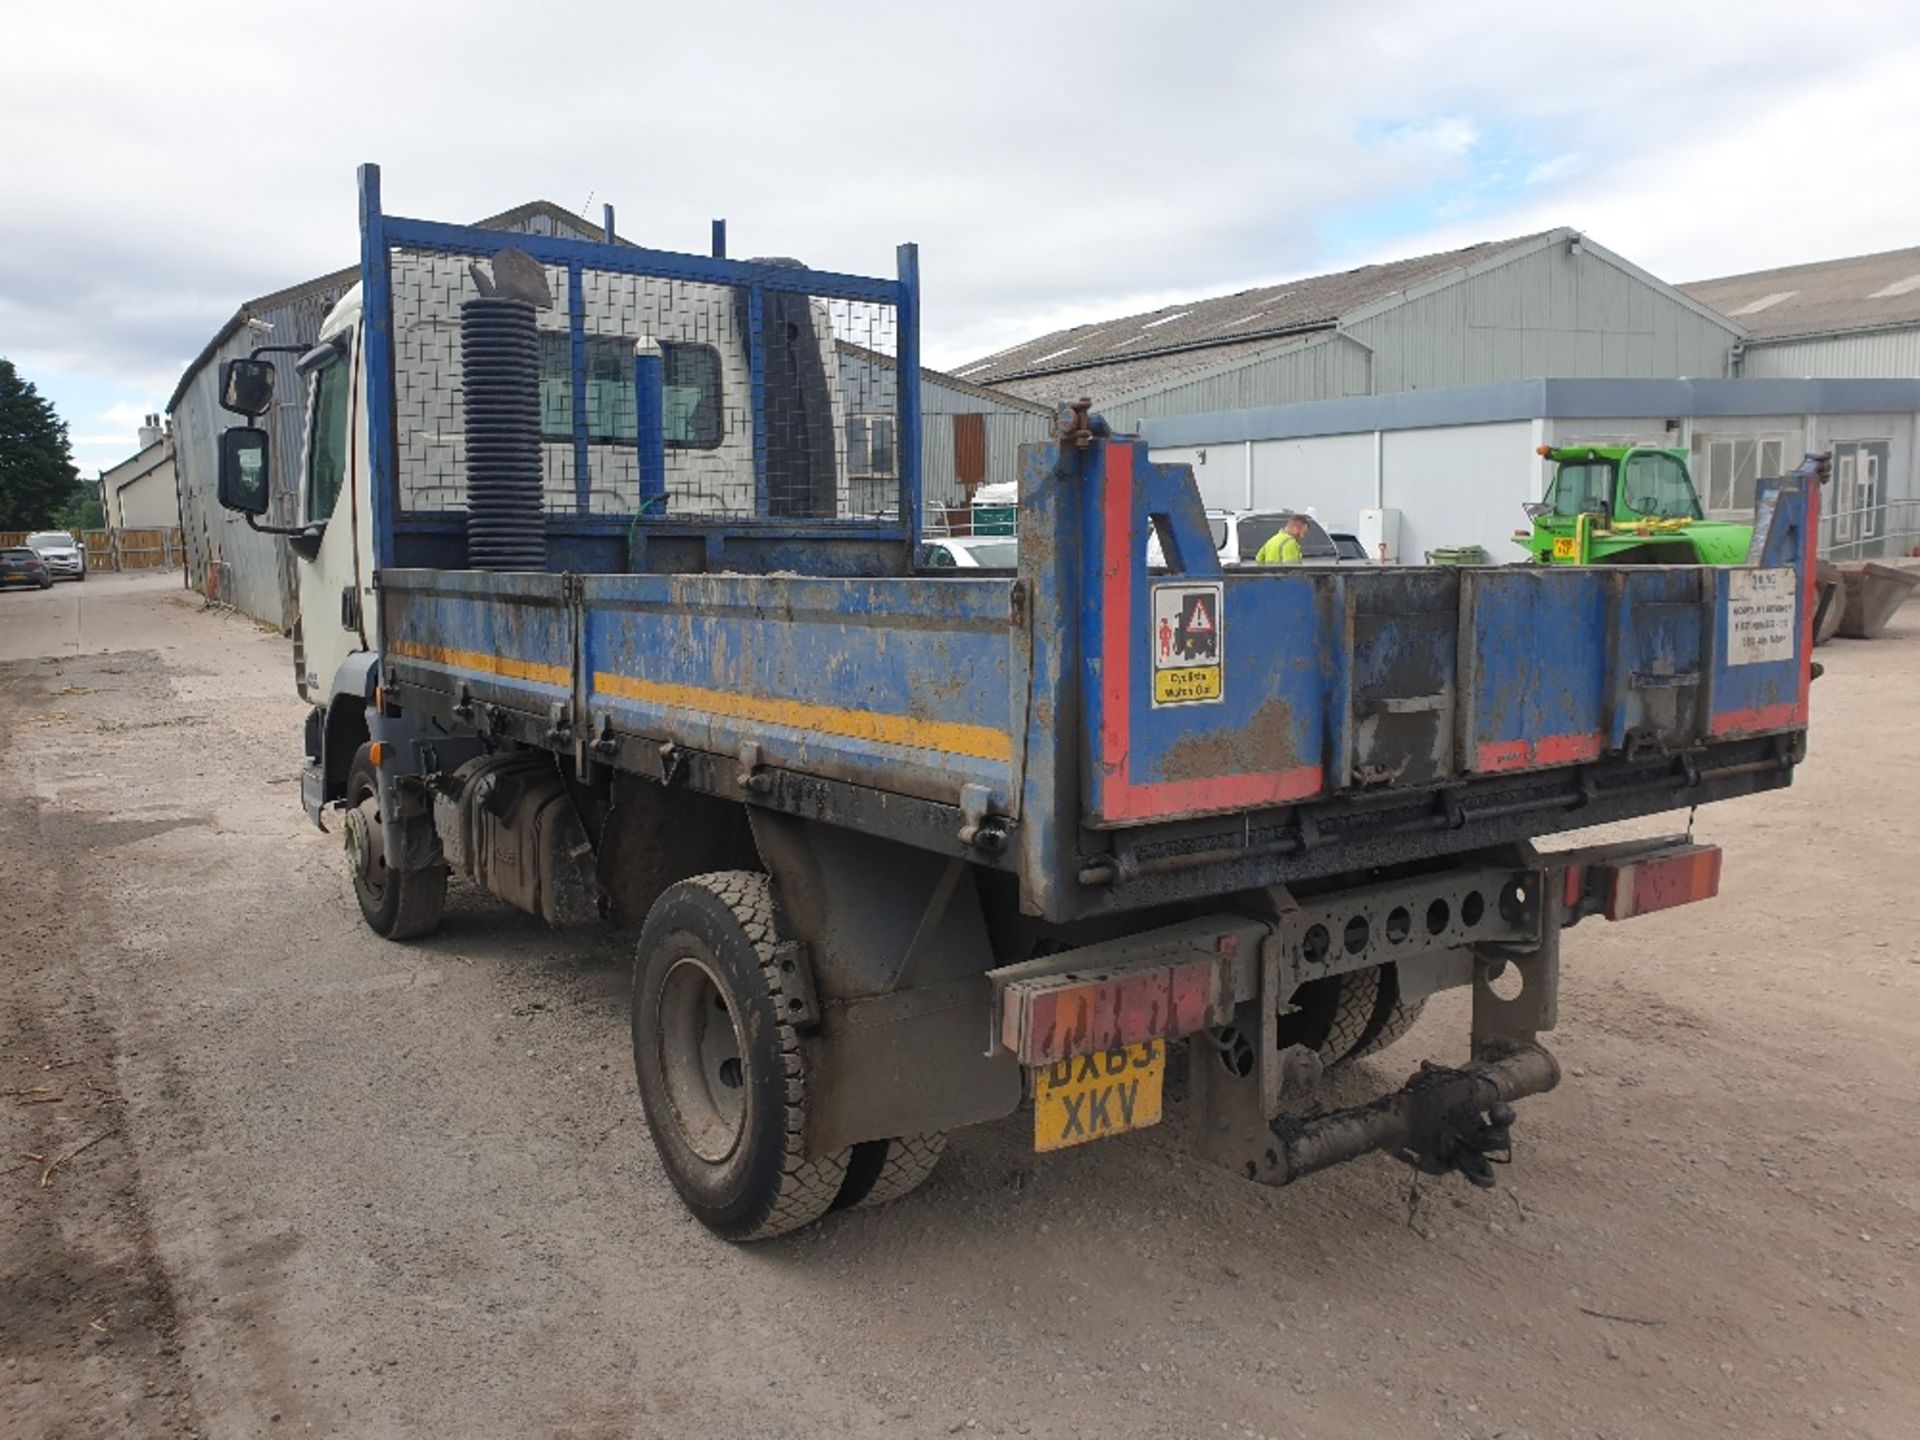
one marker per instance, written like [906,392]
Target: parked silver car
[65,557]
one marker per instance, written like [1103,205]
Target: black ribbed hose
[500,375]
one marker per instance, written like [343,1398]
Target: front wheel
[397,904]
[722,1074]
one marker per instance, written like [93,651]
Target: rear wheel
[1331,1016]
[1392,1016]
[722,1074]
[397,904]
[884,1170]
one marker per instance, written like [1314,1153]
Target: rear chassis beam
[1226,980]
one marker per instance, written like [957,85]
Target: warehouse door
[970,452]
[1859,499]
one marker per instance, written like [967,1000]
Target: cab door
[336,572]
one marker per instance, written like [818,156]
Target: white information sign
[1761,615]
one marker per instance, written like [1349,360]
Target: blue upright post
[577,368]
[606,223]
[376,291]
[650,425]
[719,239]
[757,385]
[907,370]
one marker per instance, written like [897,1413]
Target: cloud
[1057,166]
[1558,168]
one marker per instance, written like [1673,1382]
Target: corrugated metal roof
[1210,326]
[1827,297]
[1127,377]
[1006,398]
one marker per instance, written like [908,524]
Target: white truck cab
[590,464]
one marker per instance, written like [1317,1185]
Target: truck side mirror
[243,470]
[246,387]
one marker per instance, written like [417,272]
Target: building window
[870,446]
[690,391]
[1732,469]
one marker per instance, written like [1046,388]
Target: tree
[84,512]
[37,478]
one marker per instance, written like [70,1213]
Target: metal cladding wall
[1890,353]
[868,382]
[1325,367]
[1454,485]
[226,560]
[1546,312]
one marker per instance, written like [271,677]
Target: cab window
[690,393]
[1657,486]
[327,438]
[1584,488]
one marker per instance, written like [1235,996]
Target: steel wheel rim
[702,1066]
[366,861]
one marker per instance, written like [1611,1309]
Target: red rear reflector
[1053,1017]
[1639,887]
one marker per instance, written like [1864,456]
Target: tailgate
[1209,692]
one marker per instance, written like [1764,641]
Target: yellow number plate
[1093,1096]
[1565,547]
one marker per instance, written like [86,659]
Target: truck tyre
[722,1075]
[884,1170]
[1352,1013]
[1332,1014]
[398,905]
[1392,1017]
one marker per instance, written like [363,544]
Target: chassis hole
[1357,934]
[1315,944]
[1506,982]
[1473,909]
[1438,913]
[1399,924]
[1236,1052]
[1513,902]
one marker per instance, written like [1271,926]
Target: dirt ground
[263,1174]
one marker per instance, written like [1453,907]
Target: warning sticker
[1761,612]
[1188,643]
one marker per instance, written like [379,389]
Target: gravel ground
[263,1174]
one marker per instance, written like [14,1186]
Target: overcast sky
[1057,163]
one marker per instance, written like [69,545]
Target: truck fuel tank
[508,823]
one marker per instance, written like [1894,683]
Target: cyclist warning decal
[1188,642]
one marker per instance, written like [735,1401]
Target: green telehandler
[1626,505]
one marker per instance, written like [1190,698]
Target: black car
[21,566]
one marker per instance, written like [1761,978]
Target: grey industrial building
[1422,388]
[1552,304]
[1854,317]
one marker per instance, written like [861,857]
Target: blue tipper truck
[609,607]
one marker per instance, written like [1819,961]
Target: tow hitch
[1441,1120]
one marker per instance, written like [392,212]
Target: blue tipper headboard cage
[696,412]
